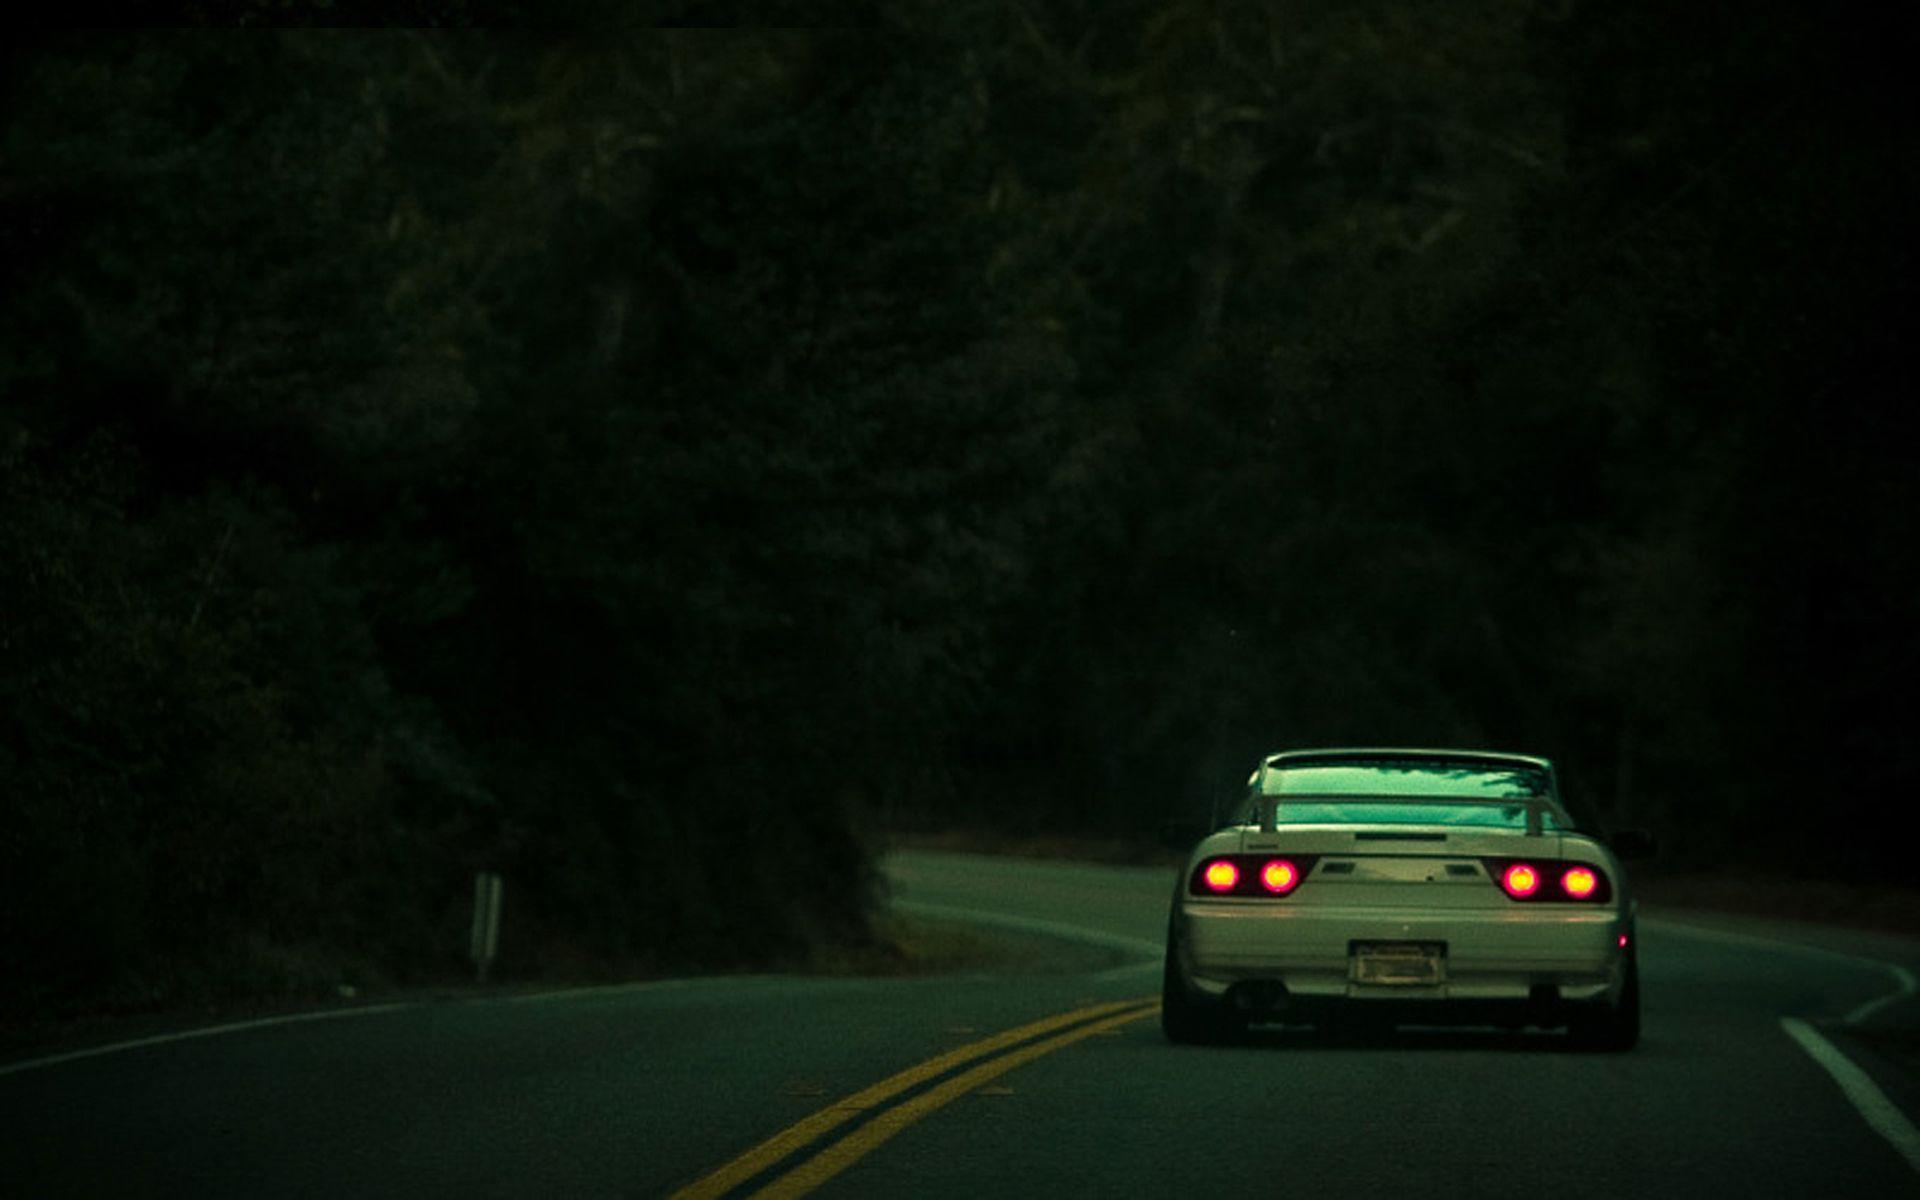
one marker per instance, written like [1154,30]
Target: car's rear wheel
[1186,1020]
[1611,1026]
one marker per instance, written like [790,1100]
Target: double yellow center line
[1020,1046]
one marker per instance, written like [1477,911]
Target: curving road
[1750,1081]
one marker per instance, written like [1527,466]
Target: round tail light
[1279,876]
[1579,882]
[1520,879]
[1221,875]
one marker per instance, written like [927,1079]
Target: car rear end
[1480,911]
[1409,916]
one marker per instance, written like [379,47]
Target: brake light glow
[1279,876]
[1250,876]
[1520,880]
[1550,880]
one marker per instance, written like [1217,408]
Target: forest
[661,464]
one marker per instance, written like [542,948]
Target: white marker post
[487,888]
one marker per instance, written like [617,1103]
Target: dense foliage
[650,465]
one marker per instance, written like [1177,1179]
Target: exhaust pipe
[1262,996]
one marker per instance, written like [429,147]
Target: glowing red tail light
[1279,876]
[1250,876]
[1221,875]
[1579,882]
[1520,880]
[1550,880]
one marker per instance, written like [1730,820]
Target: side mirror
[1632,843]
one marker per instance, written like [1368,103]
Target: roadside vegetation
[659,466]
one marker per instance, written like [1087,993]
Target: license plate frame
[1397,963]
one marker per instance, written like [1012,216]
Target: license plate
[1399,964]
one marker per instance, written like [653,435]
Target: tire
[1611,1027]
[1185,1020]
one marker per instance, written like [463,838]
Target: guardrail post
[487,889]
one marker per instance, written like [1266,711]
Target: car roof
[1298,758]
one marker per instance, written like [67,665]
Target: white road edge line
[1067,933]
[602,989]
[676,983]
[1127,970]
[1881,1114]
[1903,979]
[206,1031]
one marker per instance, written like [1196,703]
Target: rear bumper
[1492,956]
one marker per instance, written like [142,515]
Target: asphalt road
[904,1087]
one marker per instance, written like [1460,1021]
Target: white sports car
[1420,887]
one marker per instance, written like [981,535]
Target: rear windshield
[1317,794]
[1374,812]
[1471,780]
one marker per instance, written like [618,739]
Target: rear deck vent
[1462,869]
[1386,836]
[1337,868]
